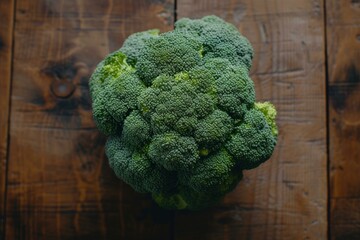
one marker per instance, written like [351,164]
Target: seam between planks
[175,12]
[9,115]
[327,123]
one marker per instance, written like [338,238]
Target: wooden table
[54,177]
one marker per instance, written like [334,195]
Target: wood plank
[59,183]
[285,198]
[343,51]
[6,35]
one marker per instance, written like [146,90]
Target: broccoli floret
[173,151]
[212,131]
[134,43]
[136,169]
[218,38]
[169,54]
[215,174]
[121,95]
[230,83]
[253,140]
[180,112]
[114,88]
[136,131]
[170,201]
[269,112]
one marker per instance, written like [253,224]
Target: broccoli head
[180,114]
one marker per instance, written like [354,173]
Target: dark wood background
[55,180]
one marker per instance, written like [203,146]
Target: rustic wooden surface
[59,184]
[343,38]
[285,198]
[6,34]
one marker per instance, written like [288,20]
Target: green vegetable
[179,109]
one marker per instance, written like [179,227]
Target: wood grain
[6,33]
[285,198]
[343,38]
[59,183]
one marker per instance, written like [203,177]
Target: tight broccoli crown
[179,109]
[218,38]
